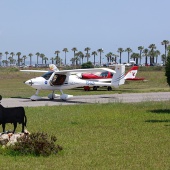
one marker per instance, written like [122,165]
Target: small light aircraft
[106,76]
[67,79]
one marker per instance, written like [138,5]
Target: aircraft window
[58,79]
[47,75]
[104,74]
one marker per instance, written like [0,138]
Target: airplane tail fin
[118,77]
[53,67]
[131,74]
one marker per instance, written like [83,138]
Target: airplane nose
[29,82]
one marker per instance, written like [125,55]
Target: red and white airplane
[106,77]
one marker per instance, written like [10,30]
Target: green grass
[100,136]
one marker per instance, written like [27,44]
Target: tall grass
[100,136]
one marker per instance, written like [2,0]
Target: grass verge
[100,136]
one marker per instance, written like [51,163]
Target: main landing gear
[51,96]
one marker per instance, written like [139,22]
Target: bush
[38,144]
[167,68]
[87,65]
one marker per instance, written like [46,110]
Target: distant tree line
[150,54]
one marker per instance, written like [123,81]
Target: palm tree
[20,60]
[42,57]
[165,43]
[140,48]
[146,54]
[77,58]
[168,48]
[6,53]
[87,49]
[128,50]
[0,58]
[12,55]
[72,61]
[18,54]
[100,50]
[115,55]
[24,58]
[81,56]
[37,54]
[113,58]
[108,57]
[120,50]
[157,53]
[3,62]
[163,58]
[65,50]
[151,53]
[74,49]
[135,57]
[45,59]
[52,59]
[30,55]
[94,53]
[57,58]
[87,55]
[10,60]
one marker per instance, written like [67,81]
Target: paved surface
[124,98]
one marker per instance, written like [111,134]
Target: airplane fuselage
[70,82]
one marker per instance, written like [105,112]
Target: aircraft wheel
[109,88]
[94,88]
[86,88]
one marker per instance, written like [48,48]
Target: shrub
[87,65]
[38,144]
[167,68]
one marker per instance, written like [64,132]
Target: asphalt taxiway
[87,99]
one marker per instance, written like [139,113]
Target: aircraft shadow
[107,97]
[68,101]
[55,100]
[158,121]
[19,97]
[160,111]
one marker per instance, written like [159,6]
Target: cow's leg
[23,127]
[15,126]
[3,127]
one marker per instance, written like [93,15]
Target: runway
[87,99]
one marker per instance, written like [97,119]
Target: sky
[46,26]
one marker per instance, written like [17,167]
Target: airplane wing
[75,71]
[52,67]
[35,71]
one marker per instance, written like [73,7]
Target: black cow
[12,115]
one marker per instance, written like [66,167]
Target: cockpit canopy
[47,75]
[105,74]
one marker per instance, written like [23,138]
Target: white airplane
[67,79]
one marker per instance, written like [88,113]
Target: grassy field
[98,136]
[109,136]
